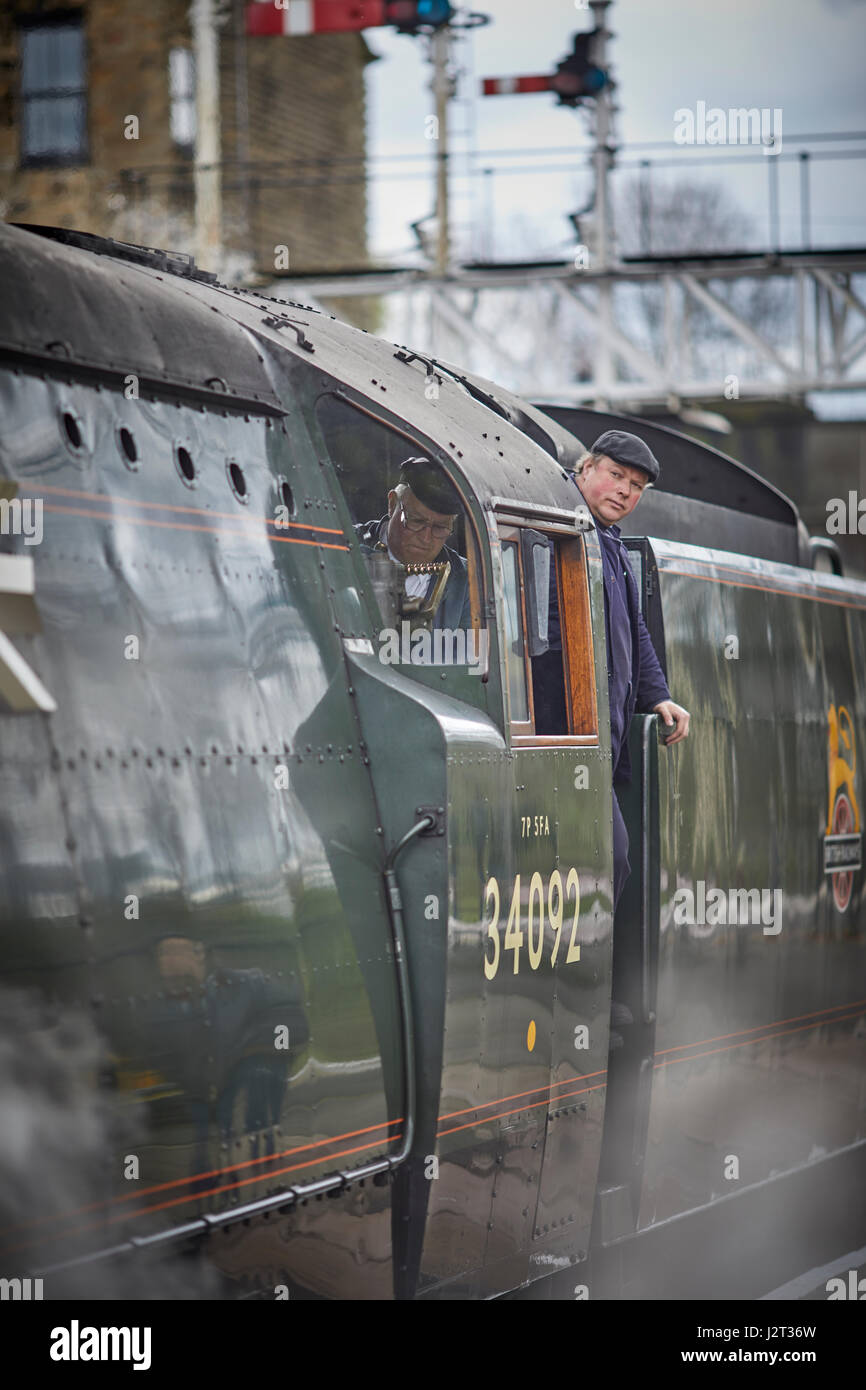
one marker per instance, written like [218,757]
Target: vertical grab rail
[648,1013]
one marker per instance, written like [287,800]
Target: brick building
[73,73]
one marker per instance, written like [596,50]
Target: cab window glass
[514,644]
[417,546]
[548,638]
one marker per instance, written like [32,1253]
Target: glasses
[412,523]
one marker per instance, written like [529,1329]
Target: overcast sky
[805,57]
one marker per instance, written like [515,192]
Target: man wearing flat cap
[423,509]
[611,478]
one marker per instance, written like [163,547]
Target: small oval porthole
[286,497]
[237,480]
[185,465]
[72,430]
[128,447]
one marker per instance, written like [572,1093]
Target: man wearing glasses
[423,509]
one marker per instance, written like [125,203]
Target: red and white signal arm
[314,16]
[508,86]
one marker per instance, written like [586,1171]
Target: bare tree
[678,216]
[684,217]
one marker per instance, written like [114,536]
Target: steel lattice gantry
[644,330]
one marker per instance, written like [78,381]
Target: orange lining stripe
[764,1037]
[534,1105]
[262,1177]
[484,1105]
[720,565]
[763,588]
[583,1090]
[188,526]
[856,1003]
[211,1192]
[213,1173]
[110,499]
[734,569]
[749,1042]
[700,1042]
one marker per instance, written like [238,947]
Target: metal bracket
[513,509]
[404,355]
[283,321]
[437,815]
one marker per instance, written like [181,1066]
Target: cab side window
[515,661]
[548,638]
[411,526]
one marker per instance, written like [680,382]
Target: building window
[53,92]
[181,85]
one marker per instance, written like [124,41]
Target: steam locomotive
[308,946]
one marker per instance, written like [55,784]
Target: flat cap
[628,450]
[431,485]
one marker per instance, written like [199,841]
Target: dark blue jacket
[644,685]
[454,609]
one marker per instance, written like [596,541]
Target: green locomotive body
[337,914]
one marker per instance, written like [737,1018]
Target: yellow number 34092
[556,897]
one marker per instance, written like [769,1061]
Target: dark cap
[431,486]
[628,450]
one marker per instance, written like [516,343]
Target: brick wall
[303,97]
[126,74]
[305,102]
